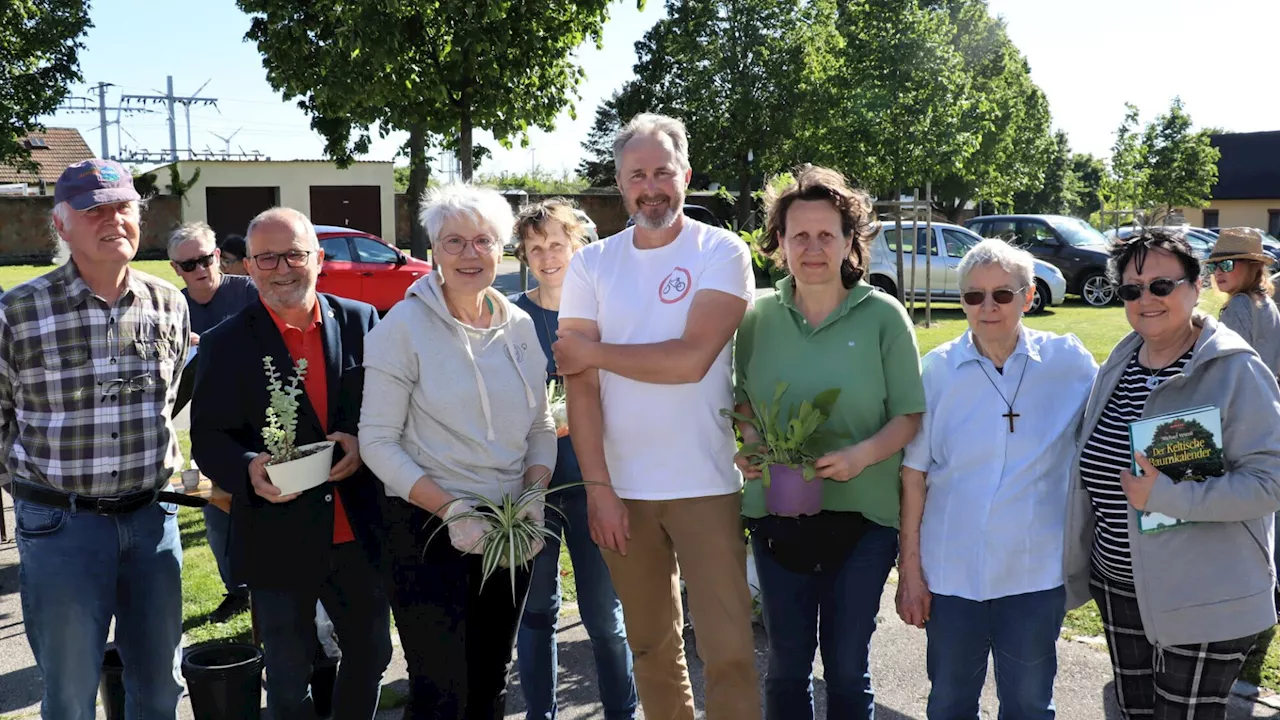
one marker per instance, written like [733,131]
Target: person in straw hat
[1240,268]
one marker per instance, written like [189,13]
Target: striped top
[1108,452]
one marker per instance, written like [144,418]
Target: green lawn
[11,275]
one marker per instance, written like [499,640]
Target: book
[1186,446]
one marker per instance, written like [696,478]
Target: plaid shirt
[86,388]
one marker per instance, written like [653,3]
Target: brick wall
[26,236]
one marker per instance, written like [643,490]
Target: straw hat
[1240,243]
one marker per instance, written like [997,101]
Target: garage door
[353,206]
[231,208]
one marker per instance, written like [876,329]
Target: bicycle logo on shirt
[675,286]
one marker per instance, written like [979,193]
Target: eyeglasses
[1160,287]
[137,383]
[191,265]
[1002,296]
[1225,266]
[293,258]
[229,260]
[454,245]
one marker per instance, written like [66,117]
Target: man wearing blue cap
[88,361]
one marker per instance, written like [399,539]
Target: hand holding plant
[795,442]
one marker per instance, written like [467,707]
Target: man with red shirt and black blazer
[322,543]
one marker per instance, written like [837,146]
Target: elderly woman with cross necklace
[984,494]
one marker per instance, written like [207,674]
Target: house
[229,193]
[53,150]
[1248,190]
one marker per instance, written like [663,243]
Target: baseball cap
[90,183]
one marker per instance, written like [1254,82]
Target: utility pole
[102,118]
[169,99]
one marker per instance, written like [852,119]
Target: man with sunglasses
[211,298]
[88,360]
[321,544]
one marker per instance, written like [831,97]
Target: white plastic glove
[467,534]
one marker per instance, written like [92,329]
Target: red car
[362,267]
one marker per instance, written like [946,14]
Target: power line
[169,99]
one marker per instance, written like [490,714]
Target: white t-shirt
[662,442]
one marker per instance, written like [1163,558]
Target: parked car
[1200,240]
[1070,244]
[1051,286]
[362,266]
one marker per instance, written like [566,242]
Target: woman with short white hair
[455,403]
[984,494]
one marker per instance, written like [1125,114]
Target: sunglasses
[191,265]
[1225,266]
[1160,287]
[1002,297]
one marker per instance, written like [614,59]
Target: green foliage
[145,183]
[538,182]
[1091,173]
[597,166]
[1162,167]
[558,401]
[1058,191]
[281,431]
[510,538]
[178,186]
[797,440]
[40,43]
[767,272]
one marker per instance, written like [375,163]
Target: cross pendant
[1011,415]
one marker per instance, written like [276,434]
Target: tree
[438,69]
[1181,165]
[1058,191]
[1008,112]
[1090,174]
[39,58]
[729,69]
[1125,187]
[597,166]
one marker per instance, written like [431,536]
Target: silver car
[1051,286]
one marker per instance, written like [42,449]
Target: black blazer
[280,546]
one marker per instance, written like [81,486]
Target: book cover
[1186,446]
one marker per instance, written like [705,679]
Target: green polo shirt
[867,348]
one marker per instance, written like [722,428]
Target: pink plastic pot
[790,495]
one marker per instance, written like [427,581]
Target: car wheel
[1041,300]
[1097,290]
[884,286]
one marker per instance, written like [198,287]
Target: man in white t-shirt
[646,319]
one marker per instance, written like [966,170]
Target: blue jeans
[76,571]
[846,599]
[217,529]
[601,614]
[353,596]
[1021,631]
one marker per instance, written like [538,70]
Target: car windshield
[1076,231]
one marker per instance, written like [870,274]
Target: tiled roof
[65,146]
[1250,166]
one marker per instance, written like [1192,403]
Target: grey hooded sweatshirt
[465,407]
[1213,580]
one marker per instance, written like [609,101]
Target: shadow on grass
[1262,668]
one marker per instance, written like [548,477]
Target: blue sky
[1090,56]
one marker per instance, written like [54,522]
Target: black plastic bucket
[111,685]
[224,681]
[324,675]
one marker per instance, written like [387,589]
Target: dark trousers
[353,596]
[457,637]
[1175,682]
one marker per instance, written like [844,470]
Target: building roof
[1248,169]
[62,147]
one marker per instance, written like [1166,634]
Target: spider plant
[795,441]
[557,401]
[510,537]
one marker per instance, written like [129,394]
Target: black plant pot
[111,686]
[224,681]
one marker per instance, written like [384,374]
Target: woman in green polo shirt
[826,328]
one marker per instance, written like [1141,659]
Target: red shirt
[309,344]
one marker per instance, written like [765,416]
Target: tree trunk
[744,194]
[418,173]
[897,212]
[466,156]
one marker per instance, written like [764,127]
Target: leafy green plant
[281,431]
[767,271]
[796,441]
[178,186]
[511,537]
[558,402]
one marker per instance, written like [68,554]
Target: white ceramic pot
[304,473]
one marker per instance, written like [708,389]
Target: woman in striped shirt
[1181,608]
